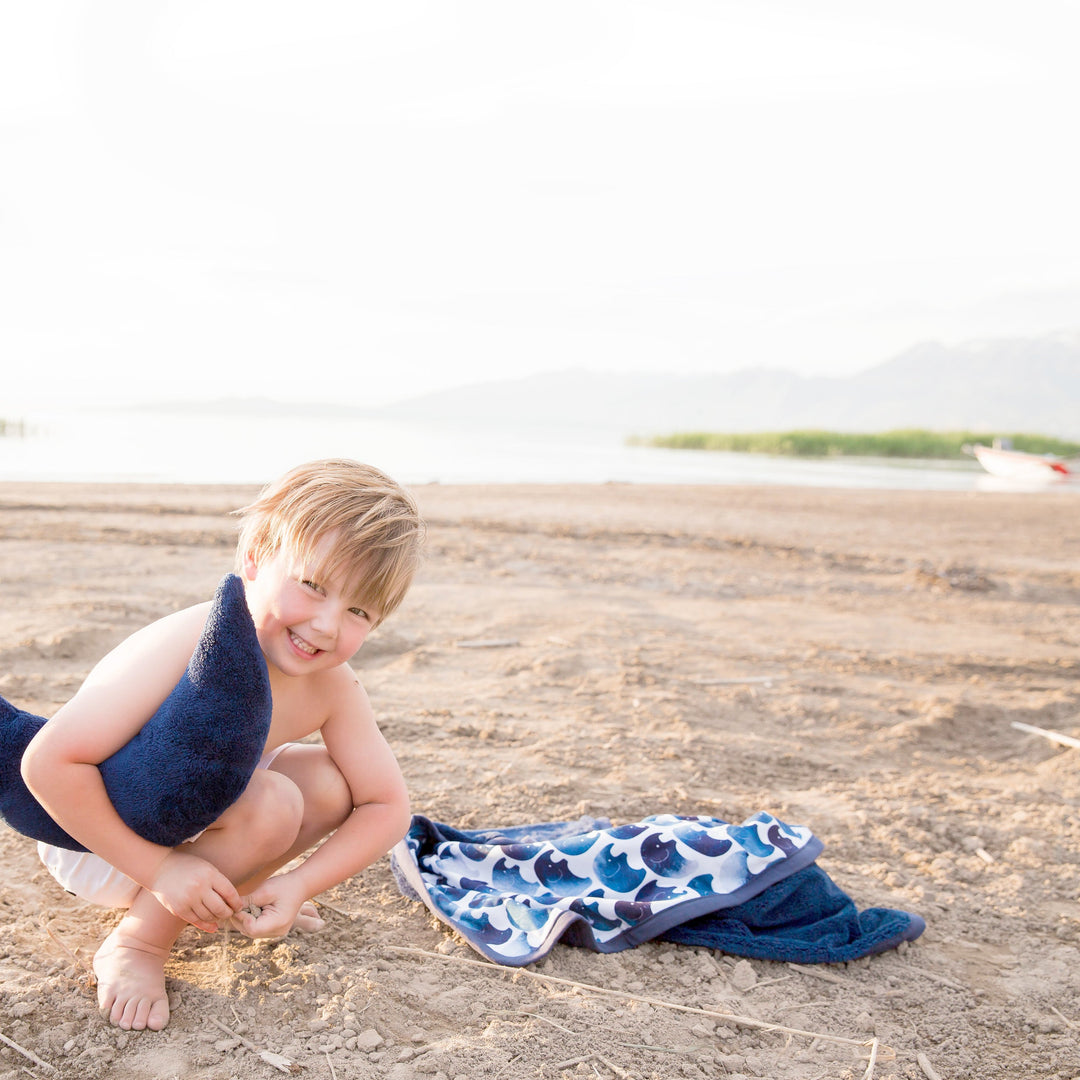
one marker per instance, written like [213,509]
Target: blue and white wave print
[512,894]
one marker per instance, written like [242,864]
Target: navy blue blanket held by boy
[191,760]
[751,890]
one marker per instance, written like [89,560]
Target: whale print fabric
[512,893]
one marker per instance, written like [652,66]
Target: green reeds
[904,443]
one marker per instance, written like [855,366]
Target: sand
[848,660]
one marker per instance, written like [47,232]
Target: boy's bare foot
[131,981]
[308,919]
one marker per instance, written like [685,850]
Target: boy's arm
[60,766]
[380,817]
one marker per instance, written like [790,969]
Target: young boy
[325,553]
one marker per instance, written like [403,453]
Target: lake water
[221,448]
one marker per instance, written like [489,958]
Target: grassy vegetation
[907,443]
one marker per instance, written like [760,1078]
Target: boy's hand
[195,891]
[278,899]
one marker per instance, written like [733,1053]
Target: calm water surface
[219,448]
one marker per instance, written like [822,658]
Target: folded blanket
[190,761]
[804,919]
[751,889]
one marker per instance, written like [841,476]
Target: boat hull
[1016,465]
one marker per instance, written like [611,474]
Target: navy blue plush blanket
[751,890]
[190,761]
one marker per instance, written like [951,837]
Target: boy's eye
[311,585]
[359,611]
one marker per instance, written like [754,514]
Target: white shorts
[90,877]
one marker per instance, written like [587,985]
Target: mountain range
[1001,385]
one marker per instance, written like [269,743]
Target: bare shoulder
[355,743]
[166,644]
[125,688]
[344,695]
[328,702]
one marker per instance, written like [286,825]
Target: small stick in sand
[869,1074]
[28,1054]
[278,1061]
[1053,736]
[340,911]
[571,1062]
[537,1016]
[763,680]
[933,977]
[928,1070]
[820,973]
[612,1066]
[91,978]
[487,643]
[744,1021]
[1063,1017]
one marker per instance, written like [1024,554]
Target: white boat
[1017,465]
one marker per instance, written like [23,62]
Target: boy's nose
[324,623]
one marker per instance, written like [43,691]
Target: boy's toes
[139,1014]
[308,919]
[158,1016]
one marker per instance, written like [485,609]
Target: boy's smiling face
[305,623]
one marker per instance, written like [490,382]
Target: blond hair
[375,523]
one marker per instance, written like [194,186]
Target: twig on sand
[91,978]
[588,1059]
[658,1049]
[547,1020]
[612,1066]
[28,1054]
[934,977]
[1064,1018]
[820,973]
[340,911]
[743,1021]
[869,1074]
[928,1070]
[764,680]
[278,1061]
[333,1075]
[1053,736]
[487,643]
[571,1062]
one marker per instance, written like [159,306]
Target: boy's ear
[250,566]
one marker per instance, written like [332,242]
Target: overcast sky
[360,201]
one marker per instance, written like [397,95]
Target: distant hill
[1004,385]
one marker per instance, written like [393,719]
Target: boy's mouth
[302,645]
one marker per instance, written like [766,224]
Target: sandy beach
[849,660]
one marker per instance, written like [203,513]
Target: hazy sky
[359,201]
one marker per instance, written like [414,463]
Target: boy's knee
[270,811]
[328,801]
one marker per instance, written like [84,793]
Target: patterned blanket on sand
[753,889]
